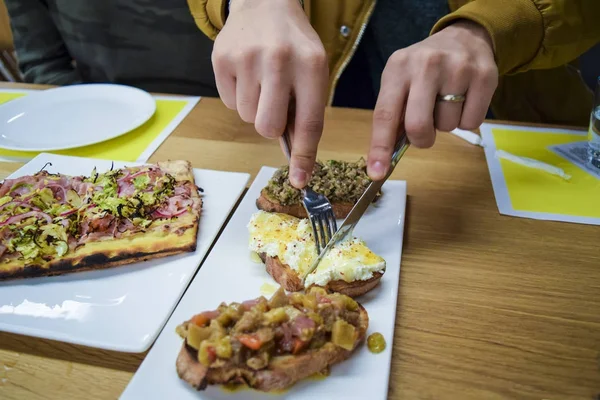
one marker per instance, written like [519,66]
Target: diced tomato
[204,318]
[250,341]
[200,319]
[298,345]
[212,354]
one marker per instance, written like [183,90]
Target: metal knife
[361,205]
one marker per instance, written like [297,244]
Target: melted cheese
[290,239]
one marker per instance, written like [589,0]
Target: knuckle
[470,124]
[432,59]
[488,74]
[381,149]
[220,60]
[312,127]
[418,126]
[306,156]
[268,128]
[398,58]
[384,115]
[445,126]
[462,67]
[422,141]
[279,56]
[244,101]
[314,59]
[245,58]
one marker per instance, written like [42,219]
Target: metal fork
[317,207]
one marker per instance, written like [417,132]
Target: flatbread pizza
[53,224]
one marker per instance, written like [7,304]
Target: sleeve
[533,34]
[42,54]
[209,15]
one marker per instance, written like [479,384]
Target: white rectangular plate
[228,274]
[121,308]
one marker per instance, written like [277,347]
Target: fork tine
[332,224]
[315,232]
[323,222]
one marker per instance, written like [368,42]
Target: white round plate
[72,116]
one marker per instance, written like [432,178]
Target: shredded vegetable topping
[46,216]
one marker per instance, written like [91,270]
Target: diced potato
[292,312]
[279,299]
[310,301]
[296,298]
[217,330]
[224,348]
[205,356]
[196,335]
[182,330]
[229,314]
[351,305]
[317,290]
[275,316]
[343,334]
[262,305]
[315,317]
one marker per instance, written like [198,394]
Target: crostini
[341,182]
[287,247]
[269,345]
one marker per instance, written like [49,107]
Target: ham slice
[17,218]
[9,183]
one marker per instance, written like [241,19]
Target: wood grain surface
[490,307]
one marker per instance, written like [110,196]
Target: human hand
[266,54]
[458,60]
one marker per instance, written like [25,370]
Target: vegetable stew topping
[250,334]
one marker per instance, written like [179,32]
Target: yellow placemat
[137,145]
[528,192]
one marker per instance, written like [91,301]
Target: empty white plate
[72,116]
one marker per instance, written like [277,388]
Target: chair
[9,70]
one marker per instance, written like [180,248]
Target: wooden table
[490,306]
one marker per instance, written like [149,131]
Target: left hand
[457,60]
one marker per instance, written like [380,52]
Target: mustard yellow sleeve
[533,34]
[209,15]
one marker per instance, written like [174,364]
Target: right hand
[267,53]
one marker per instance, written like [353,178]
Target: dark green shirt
[151,44]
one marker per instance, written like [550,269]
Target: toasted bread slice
[267,203]
[290,280]
[281,373]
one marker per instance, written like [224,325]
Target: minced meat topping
[339,181]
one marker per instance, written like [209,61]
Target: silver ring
[452,98]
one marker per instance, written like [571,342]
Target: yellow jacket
[536,43]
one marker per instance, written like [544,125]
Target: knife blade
[361,205]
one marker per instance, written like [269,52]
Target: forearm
[43,57]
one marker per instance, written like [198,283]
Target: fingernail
[298,177]
[377,170]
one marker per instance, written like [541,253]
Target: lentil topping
[339,181]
